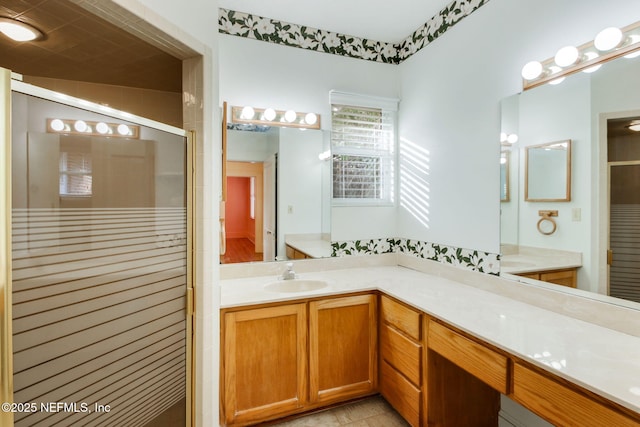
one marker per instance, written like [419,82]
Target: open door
[270,203]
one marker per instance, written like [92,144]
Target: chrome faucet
[289,274]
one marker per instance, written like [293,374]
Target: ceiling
[380,20]
[80,46]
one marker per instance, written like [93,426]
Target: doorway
[244,213]
[623,156]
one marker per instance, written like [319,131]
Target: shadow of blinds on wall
[624,279]
[99,271]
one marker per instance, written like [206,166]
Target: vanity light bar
[609,44]
[91,128]
[272,117]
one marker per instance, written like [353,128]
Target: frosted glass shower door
[99,235]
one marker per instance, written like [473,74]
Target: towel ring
[547,217]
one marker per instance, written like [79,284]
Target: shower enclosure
[101,275]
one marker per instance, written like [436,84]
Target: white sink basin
[295,285]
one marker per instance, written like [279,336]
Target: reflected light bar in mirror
[609,44]
[272,117]
[91,128]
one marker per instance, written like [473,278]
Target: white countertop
[602,360]
[528,259]
[311,244]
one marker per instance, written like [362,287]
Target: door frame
[6,356]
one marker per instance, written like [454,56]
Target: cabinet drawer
[400,393]
[560,404]
[400,352]
[480,361]
[401,317]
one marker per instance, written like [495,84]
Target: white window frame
[389,107]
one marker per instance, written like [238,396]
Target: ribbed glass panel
[99,260]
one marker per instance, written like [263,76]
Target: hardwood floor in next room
[240,250]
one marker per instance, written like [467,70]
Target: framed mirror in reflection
[596,112]
[277,203]
[547,175]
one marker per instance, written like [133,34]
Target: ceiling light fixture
[19,31]
[91,128]
[634,126]
[609,44]
[272,117]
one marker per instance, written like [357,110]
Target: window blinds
[362,140]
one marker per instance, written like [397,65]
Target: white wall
[246,146]
[299,184]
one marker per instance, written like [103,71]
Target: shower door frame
[7,85]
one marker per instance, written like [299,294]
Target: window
[75,174]
[363,150]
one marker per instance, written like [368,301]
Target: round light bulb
[290,116]
[503,137]
[567,56]
[18,31]
[269,114]
[102,128]
[123,130]
[503,160]
[311,118]
[512,138]
[247,113]
[57,125]
[607,39]
[557,81]
[532,70]
[80,126]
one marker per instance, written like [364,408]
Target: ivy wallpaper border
[288,34]
[469,259]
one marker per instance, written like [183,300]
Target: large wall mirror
[597,113]
[277,192]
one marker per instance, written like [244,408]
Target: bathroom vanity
[440,344]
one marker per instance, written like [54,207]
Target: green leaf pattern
[273,31]
[483,262]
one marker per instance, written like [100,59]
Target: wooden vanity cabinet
[293,253]
[265,363]
[342,348]
[464,379]
[564,277]
[400,358]
[290,358]
[561,403]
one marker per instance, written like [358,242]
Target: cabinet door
[343,348]
[265,363]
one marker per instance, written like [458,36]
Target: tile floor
[370,412]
